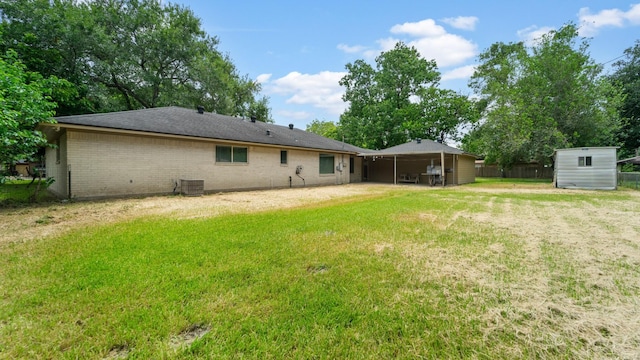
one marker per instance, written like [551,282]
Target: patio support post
[395,176]
[444,173]
[454,180]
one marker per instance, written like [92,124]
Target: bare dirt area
[19,225]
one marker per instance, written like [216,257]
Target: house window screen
[239,154]
[326,164]
[231,154]
[584,161]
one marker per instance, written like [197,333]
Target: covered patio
[419,162]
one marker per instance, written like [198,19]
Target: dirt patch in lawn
[19,225]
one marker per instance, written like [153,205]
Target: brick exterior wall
[112,165]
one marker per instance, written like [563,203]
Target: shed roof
[185,122]
[584,148]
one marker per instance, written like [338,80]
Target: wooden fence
[523,171]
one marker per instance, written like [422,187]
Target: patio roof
[416,147]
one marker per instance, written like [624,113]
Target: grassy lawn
[18,192]
[409,273]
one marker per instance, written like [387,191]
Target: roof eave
[50,128]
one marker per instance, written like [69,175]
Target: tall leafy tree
[539,98]
[627,75]
[50,38]
[399,100]
[127,54]
[142,49]
[25,103]
[324,128]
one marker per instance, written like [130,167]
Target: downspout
[69,181]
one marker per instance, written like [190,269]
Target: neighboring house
[586,168]
[635,161]
[150,151]
[420,161]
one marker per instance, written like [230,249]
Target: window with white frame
[584,161]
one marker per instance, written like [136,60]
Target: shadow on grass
[14,193]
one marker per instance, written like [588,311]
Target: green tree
[328,129]
[550,95]
[127,54]
[25,103]
[399,100]
[50,38]
[627,76]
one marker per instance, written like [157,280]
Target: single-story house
[167,150]
[586,168]
[419,161]
[153,151]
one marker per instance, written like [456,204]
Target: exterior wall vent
[191,187]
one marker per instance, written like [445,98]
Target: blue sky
[298,50]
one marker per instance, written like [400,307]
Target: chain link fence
[629,179]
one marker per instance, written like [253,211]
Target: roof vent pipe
[253,119]
[268,132]
[200,109]
[418,140]
[291,126]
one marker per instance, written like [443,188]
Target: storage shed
[585,168]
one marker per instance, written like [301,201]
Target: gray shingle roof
[415,148]
[186,122]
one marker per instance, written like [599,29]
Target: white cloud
[463,72]
[263,78]
[633,15]
[351,49]
[424,28]
[462,22]
[430,39]
[320,90]
[533,33]
[590,23]
[434,42]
